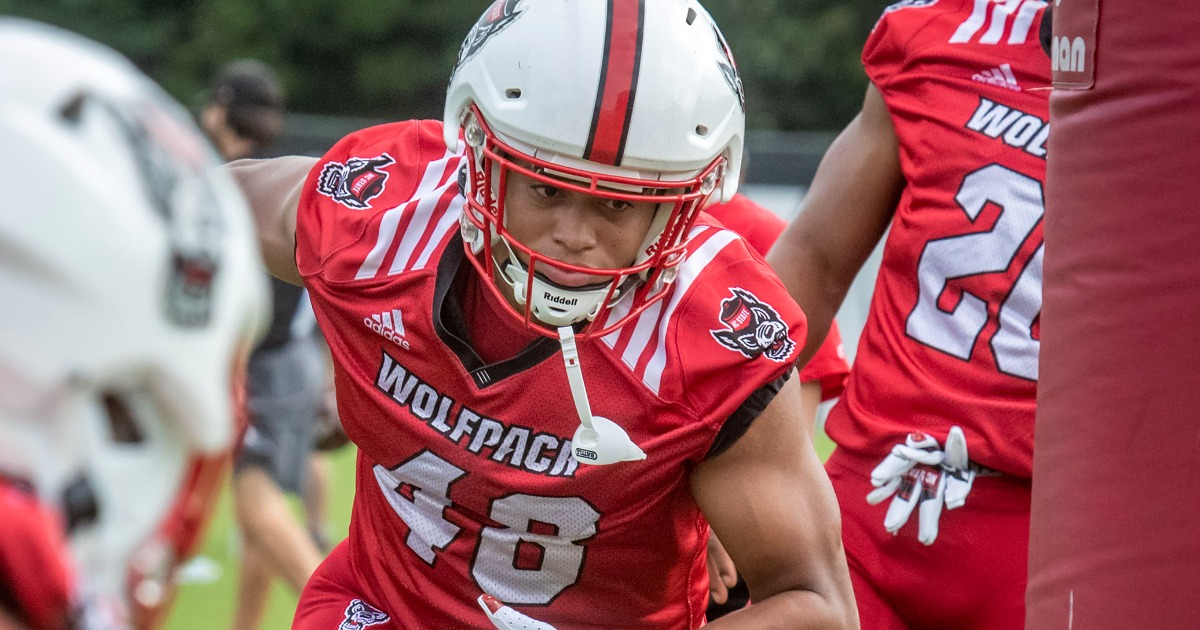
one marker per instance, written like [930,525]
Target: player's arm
[722,573]
[272,188]
[771,504]
[845,212]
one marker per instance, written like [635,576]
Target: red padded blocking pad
[1115,537]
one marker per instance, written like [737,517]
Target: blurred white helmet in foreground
[130,291]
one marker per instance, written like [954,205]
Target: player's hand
[329,433]
[505,618]
[722,574]
[920,473]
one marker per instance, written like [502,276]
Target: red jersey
[952,334]
[36,570]
[466,483]
[761,227]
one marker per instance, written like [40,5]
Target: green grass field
[208,605]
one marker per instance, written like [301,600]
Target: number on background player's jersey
[956,330]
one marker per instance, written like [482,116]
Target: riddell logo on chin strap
[561,301]
[389,325]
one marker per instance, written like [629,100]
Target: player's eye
[617,205]
[546,190]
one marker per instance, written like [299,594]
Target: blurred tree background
[390,59]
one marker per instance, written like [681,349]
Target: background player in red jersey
[821,379]
[950,151]
[556,372]
[132,288]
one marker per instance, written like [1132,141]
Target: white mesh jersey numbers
[428,478]
[955,332]
[561,555]
[997,15]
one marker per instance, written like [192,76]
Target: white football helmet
[622,99]
[132,289]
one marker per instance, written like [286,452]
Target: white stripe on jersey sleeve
[391,218]
[1021,26]
[620,310]
[643,328]
[689,270]
[645,322]
[1000,14]
[449,220]
[423,214]
[971,25]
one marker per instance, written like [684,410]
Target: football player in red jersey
[557,373]
[949,150]
[132,288]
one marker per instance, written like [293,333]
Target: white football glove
[919,472]
[505,618]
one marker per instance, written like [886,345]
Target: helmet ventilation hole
[122,419]
[79,504]
[701,130]
[691,16]
[512,93]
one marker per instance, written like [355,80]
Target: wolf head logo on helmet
[729,68]
[355,183]
[169,161]
[498,16]
[753,328]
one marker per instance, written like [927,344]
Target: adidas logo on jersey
[389,325]
[1001,76]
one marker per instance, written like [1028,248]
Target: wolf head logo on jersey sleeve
[359,615]
[355,183]
[753,328]
[168,159]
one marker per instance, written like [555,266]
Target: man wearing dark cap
[243,115]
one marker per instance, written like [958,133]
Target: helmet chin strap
[598,440]
[551,304]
